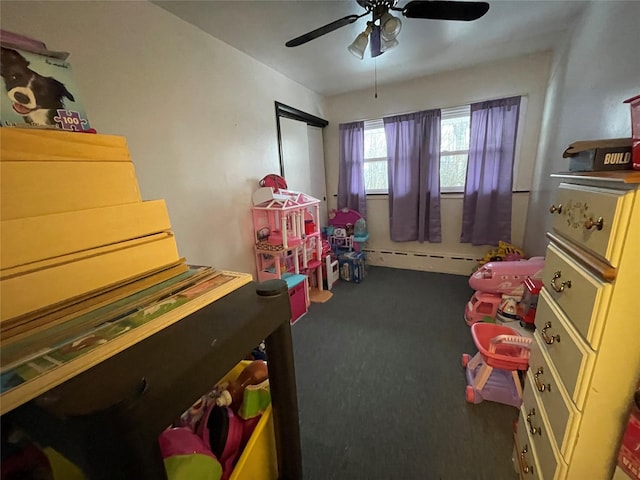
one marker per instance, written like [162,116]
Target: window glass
[375,143]
[454,150]
[376,178]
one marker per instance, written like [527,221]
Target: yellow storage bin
[258,461]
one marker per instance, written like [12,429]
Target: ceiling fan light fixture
[388,45]
[390,26]
[359,45]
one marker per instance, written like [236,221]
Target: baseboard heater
[441,262]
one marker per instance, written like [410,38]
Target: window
[454,150]
[376,177]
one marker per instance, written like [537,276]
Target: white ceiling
[260,28]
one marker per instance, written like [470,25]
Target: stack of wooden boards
[87,268]
[73,226]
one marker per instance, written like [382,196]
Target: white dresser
[585,358]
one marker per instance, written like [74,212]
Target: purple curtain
[413,151]
[351,192]
[486,213]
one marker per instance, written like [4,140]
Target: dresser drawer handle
[590,223]
[554,209]
[563,284]
[539,384]
[532,429]
[549,339]
[525,468]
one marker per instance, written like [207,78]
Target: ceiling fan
[384,27]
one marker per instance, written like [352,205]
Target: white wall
[527,75]
[198,115]
[594,71]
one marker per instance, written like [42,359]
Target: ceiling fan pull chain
[375,78]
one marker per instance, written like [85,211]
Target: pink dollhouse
[288,242]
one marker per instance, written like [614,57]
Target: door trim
[286,111]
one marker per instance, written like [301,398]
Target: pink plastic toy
[506,277]
[492,374]
[343,234]
[481,305]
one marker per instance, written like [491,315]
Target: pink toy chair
[492,374]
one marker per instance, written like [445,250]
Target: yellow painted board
[203,295]
[74,257]
[31,239]
[17,144]
[29,189]
[25,293]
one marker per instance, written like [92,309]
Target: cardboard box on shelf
[597,155]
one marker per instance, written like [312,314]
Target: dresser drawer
[545,393]
[526,457]
[591,217]
[538,457]
[570,355]
[582,296]
[539,436]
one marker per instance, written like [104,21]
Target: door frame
[286,111]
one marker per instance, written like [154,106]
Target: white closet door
[303,159]
[295,155]
[316,160]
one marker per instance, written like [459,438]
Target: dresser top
[617,176]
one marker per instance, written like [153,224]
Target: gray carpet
[381,391]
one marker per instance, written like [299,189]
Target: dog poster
[38,91]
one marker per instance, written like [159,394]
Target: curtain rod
[441,108]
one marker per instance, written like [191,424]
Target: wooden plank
[21,144]
[31,239]
[74,306]
[25,293]
[42,338]
[159,284]
[30,189]
[77,256]
[197,297]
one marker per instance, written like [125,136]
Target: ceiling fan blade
[328,28]
[445,10]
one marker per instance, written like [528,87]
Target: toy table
[107,419]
